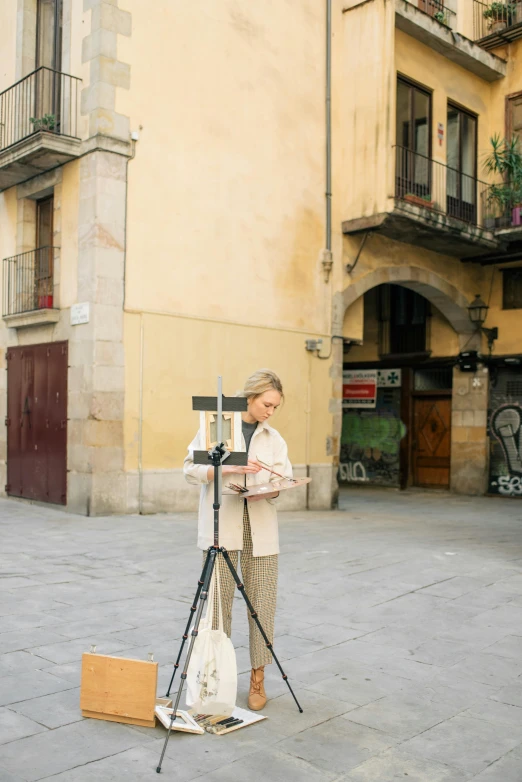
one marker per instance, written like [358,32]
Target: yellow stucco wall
[226,192]
[182,357]
[226,214]
[366,86]
[8,217]
[8,45]
[69,237]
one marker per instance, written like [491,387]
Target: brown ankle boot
[257,695]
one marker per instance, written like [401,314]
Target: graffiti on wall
[505,476]
[370,447]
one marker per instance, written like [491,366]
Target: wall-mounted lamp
[478,311]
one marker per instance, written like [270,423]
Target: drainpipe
[327,254]
[140,422]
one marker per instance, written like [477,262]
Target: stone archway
[469,437]
[442,294]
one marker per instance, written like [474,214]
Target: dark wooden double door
[37,422]
[431,441]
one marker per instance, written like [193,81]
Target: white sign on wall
[80,313]
[389,378]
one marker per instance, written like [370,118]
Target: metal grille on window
[433,379]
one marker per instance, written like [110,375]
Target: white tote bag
[212,671]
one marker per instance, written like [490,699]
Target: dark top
[248,431]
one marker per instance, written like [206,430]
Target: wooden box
[119,690]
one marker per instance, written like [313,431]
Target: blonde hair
[261,381]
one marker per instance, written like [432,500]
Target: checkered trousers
[259,576]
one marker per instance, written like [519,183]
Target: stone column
[469,441]
[96,483]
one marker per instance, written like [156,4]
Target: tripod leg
[187,628]
[255,617]
[212,554]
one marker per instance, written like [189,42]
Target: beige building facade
[163,220]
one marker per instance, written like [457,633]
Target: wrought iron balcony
[438,10]
[29,281]
[428,184]
[38,125]
[433,206]
[496,23]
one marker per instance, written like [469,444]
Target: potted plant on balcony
[419,200]
[505,160]
[441,17]
[499,16]
[47,122]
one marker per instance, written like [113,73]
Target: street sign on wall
[360,388]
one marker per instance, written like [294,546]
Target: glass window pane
[45,54]
[44,224]
[403,132]
[452,151]
[469,145]
[421,119]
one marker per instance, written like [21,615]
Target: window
[512,289]
[44,254]
[514,115]
[413,139]
[404,318]
[49,34]
[47,84]
[461,182]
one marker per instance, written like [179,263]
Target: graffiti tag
[506,424]
[511,486]
[353,472]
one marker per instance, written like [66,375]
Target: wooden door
[432,441]
[37,422]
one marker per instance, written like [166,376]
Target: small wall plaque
[80,313]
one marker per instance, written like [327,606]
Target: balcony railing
[497,22]
[45,100]
[28,281]
[502,206]
[438,10]
[424,182]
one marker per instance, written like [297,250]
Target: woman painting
[248,528]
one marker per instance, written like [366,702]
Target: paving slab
[337,745]
[65,748]
[15,726]
[14,689]
[394,764]
[467,743]
[403,714]
[398,624]
[52,711]
[270,764]
[506,769]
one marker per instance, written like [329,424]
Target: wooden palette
[281,484]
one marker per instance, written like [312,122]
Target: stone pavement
[399,621]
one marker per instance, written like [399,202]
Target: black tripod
[215,457]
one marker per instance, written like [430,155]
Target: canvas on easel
[232,432]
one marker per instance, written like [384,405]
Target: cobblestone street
[399,621]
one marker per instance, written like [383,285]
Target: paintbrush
[237,487]
[269,469]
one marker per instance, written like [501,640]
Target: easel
[215,457]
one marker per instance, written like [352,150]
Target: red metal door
[37,422]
